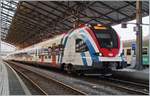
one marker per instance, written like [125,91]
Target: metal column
[0,28]
[139,60]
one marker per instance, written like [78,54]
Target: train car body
[130,53]
[88,47]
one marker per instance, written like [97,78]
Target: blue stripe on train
[90,46]
[65,38]
[84,58]
[60,55]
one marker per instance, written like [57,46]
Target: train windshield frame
[107,38]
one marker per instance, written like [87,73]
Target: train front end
[108,47]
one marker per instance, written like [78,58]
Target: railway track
[125,86]
[46,85]
[36,86]
[118,83]
[129,86]
[144,85]
[133,87]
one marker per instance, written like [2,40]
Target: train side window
[144,51]
[128,51]
[45,57]
[81,46]
[49,57]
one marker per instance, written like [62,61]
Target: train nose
[109,52]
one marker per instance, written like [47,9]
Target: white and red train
[88,47]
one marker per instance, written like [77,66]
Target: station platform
[139,75]
[10,82]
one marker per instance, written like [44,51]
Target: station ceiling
[36,21]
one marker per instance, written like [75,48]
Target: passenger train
[88,47]
[130,53]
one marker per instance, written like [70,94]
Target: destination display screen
[100,27]
[103,35]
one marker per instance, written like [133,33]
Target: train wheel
[69,68]
[81,74]
[62,68]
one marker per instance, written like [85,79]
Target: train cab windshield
[106,37]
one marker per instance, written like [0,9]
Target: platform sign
[133,46]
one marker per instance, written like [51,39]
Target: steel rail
[49,78]
[30,80]
[128,82]
[128,87]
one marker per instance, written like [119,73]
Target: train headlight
[89,25]
[110,54]
[100,54]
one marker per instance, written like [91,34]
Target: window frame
[128,52]
[80,46]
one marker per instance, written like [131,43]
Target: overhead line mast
[139,35]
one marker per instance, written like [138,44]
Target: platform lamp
[124,25]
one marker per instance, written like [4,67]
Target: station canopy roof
[25,23]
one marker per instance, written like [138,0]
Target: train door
[53,54]
[42,58]
[128,55]
[49,54]
[69,51]
[41,55]
[145,56]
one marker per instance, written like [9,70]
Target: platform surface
[4,83]
[10,82]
